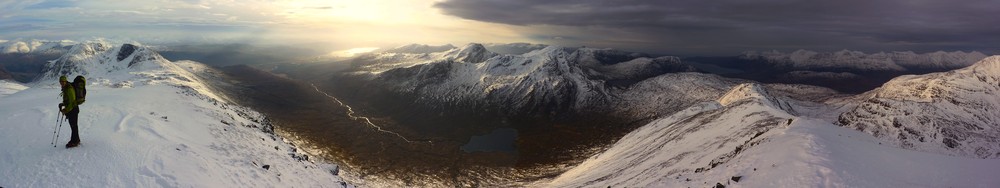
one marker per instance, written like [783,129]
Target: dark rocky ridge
[4,75]
[125,51]
[25,67]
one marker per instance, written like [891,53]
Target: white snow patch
[8,87]
[149,136]
[709,144]
[146,123]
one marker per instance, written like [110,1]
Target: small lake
[501,140]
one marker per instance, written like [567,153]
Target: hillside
[749,139]
[950,112]
[147,122]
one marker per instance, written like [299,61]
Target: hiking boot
[72,144]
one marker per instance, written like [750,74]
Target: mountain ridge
[148,122]
[947,112]
[881,61]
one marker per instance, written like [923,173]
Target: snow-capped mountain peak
[747,91]
[513,48]
[756,144]
[948,112]
[471,53]
[753,92]
[989,66]
[101,60]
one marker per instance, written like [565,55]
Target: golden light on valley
[353,24]
[353,51]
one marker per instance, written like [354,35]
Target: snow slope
[745,136]
[951,112]
[146,124]
[731,129]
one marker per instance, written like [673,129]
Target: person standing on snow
[70,108]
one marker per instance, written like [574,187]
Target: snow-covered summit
[500,48]
[989,66]
[471,53]
[856,60]
[948,112]
[752,92]
[104,61]
[674,146]
[513,48]
[743,139]
[554,78]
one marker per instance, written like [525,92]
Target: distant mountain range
[855,61]
[744,121]
[604,117]
[35,47]
[550,80]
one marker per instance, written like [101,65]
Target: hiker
[70,108]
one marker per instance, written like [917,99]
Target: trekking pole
[58,130]
[58,123]
[54,132]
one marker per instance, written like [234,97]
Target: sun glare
[371,12]
[382,23]
[353,51]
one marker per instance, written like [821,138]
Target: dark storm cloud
[696,26]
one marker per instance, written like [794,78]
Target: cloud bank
[696,26]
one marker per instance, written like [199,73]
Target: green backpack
[80,86]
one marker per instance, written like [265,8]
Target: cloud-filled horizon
[663,27]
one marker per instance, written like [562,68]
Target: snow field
[709,144]
[150,136]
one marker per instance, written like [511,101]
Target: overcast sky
[686,27]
